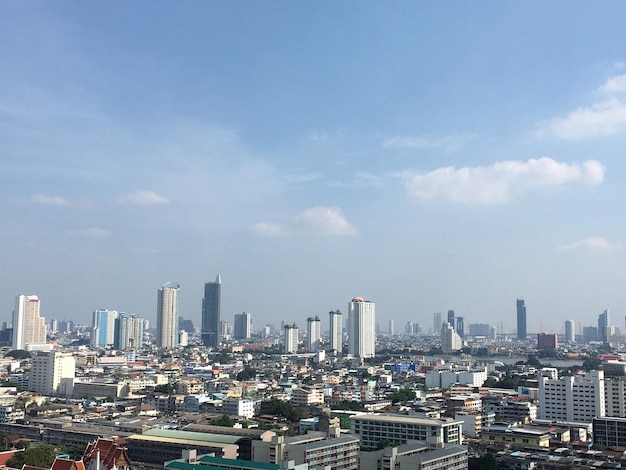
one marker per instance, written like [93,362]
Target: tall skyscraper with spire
[29,329]
[361,328]
[167,315]
[521,320]
[211,313]
[335,330]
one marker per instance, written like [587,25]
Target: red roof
[5,457]
[111,454]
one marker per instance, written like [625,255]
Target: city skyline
[458,155]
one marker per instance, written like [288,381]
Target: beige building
[52,373]
[307,396]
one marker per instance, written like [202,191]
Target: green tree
[402,395]
[248,373]
[19,354]
[38,456]
[165,388]
[591,363]
[223,420]
[486,462]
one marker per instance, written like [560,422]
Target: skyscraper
[521,320]
[291,338]
[569,331]
[211,313]
[603,324]
[29,329]
[314,333]
[437,322]
[361,328]
[460,327]
[167,315]
[103,329]
[335,331]
[451,318]
[391,327]
[128,331]
[242,326]
[450,340]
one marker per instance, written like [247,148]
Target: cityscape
[275,235]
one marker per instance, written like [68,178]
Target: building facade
[521,319]
[290,338]
[29,329]
[211,305]
[103,327]
[361,328]
[336,330]
[573,398]
[52,374]
[314,334]
[128,331]
[167,315]
[242,326]
[570,335]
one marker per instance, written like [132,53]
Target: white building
[29,329]
[52,373]
[103,332]
[291,333]
[574,398]
[361,328]
[314,333]
[167,315]
[238,407]
[335,331]
[445,378]
[569,331]
[450,340]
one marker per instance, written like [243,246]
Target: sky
[424,155]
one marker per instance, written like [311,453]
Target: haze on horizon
[424,155]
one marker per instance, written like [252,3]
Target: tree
[591,363]
[223,420]
[164,388]
[402,395]
[40,456]
[486,462]
[18,354]
[248,373]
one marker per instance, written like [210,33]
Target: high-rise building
[437,322]
[450,340]
[547,341]
[603,324]
[128,331]
[335,330]
[314,333]
[450,318]
[52,373]
[103,328]
[211,313]
[361,328]
[291,338]
[29,329]
[167,315]
[569,331]
[242,326]
[460,327]
[391,327]
[572,398]
[521,320]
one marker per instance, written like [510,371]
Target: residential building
[52,373]
[521,319]
[167,315]
[460,327]
[547,341]
[361,328]
[416,456]
[307,396]
[314,334]
[391,327]
[242,326]
[335,331]
[450,340]
[451,317]
[238,407]
[511,410]
[523,436]
[103,328]
[444,378]
[128,331]
[437,322]
[211,304]
[374,428]
[570,335]
[29,329]
[482,329]
[291,334]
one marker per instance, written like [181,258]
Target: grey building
[211,313]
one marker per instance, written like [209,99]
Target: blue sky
[424,155]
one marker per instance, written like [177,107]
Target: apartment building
[573,398]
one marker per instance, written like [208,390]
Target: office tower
[335,331]
[314,333]
[460,327]
[569,331]
[52,373]
[361,328]
[603,323]
[390,327]
[128,331]
[291,338]
[450,340]
[167,315]
[417,329]
[211,313]
[103,327]
[29,329]
[521,320]
[437,322]
[450,318]
[242,327]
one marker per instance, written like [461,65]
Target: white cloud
[499,182]
[269,230]
[94,232]
[324,221]
[604,117]
[327,221]
[591,243]
[448,143]
[49,200]
[143,197]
